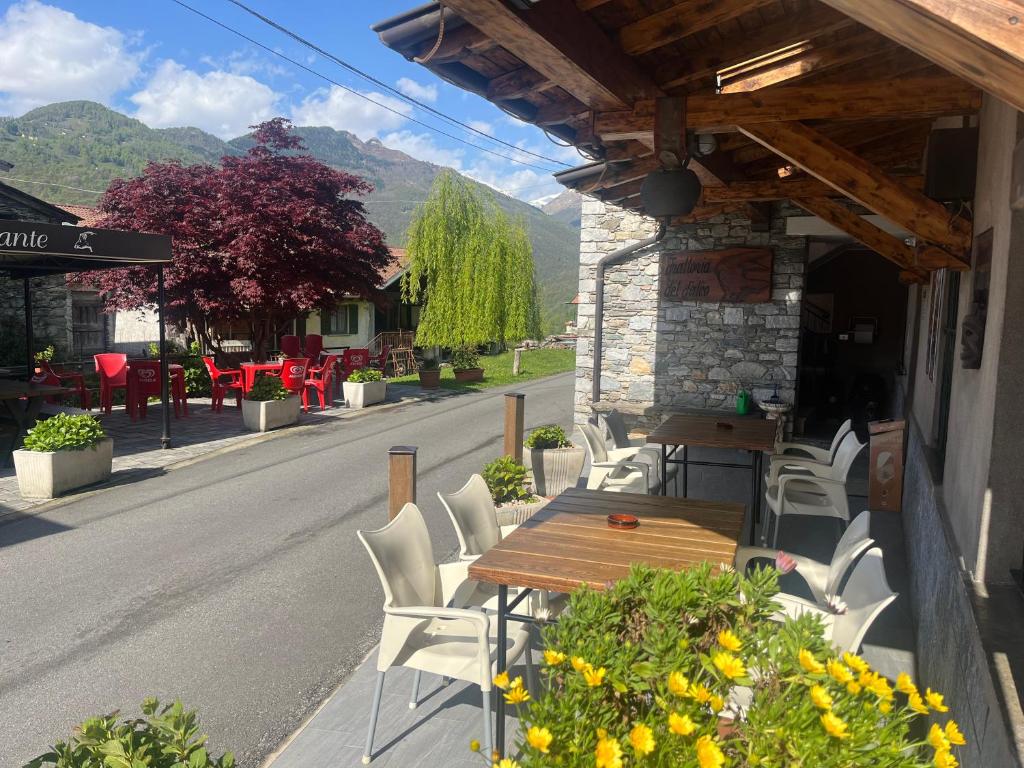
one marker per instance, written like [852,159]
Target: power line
[381,84]
[352,90]
[51,184]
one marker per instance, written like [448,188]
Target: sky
[166,66]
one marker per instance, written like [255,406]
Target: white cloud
[482,126]
[523,183]
[422,147]
[344,111]
[49,54]
[415,90]
[220,102]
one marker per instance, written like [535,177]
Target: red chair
[381,361]
[73,379]
[293,374]
[320,379]
[354,359]
[290,346]
[222,383]
[314,345]
[113,371]
[144,383]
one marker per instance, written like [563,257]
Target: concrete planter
[362,394]
[45,475]
[469,374]
[265,415]
[514,514]
[555,469]
[430,379]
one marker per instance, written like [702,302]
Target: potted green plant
[268,405]
[365,386]
[514,502]
[556,463]
[466,365]
[430,374]
[63,453]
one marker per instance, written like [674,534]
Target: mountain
[84,145]
[566,207]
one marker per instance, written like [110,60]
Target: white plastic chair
[612,425]
[822,578]
[427,624]
[866,595]
[813,452]
[817,490]
[472,512]
[613,470]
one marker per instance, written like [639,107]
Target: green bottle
[742,402]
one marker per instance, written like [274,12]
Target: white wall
[362,339]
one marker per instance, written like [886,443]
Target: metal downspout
[611,258]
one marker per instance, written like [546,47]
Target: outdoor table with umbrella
[22,401]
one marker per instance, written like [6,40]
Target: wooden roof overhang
[825,103]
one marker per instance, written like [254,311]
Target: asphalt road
[236,584]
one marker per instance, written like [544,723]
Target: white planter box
[515,514]
[45,475]
[555,469]
[264,415]
[362,394]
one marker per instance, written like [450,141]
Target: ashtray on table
[623,521]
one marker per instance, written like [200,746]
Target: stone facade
[663,355]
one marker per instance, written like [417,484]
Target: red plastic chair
[222,383]
[314,345]
[381,361]
[354,359]
[290,346]
[144,383]
[112,368]
[293,374]
[73,379]
[320,379]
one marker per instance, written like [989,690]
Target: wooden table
[711,429]
[251,370]
[12,394]
[568,543]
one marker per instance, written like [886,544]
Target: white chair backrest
[867,594]
[471,509]
[595,443]
[613,423]
[404,560]
[854,541]
[845,455]
[844,428]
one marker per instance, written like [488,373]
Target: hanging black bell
[670,192]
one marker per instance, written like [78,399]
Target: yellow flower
[642,739]
[594,677]
[885,707]
[856,663]
[608,753]
[937,738]
[954,735]
[501,681]
[916,703]
[700,693]
[945,759]
[678,684]
[809,663]
[553,658]
[877,684]
[839,672]
[935,701]
[853,687]
[716,703]
[579,663]
[681,725]
[821,698]
[474,745]
[517,694]
[539,738]
[728,640]
[729,665]
[904,684]
[507,762]
[708,753]
[836,728]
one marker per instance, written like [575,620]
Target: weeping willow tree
[471,268]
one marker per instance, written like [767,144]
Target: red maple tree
[261,239]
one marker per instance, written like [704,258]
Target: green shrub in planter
[45,355]
[167,737]
[64,432]
[647,673]
[548,436]
[506,480]
[465,358]
[363,375]
[267,388]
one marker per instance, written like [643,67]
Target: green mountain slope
[85,145]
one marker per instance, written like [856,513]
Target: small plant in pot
[365,386]
[63,453]
[268,405]
[466,365]
[514,502]
[556,463]
[430,374]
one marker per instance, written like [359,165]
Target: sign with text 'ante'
[739,275]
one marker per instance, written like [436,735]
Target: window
[343,320]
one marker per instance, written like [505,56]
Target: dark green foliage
[465,358]
[64,432]
[506,480]
[363,375]
[549,436]
[267,388]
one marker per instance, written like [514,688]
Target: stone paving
[137,451]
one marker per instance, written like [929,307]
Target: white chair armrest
[620,454]
[745,554]
[812,451]
[791,606]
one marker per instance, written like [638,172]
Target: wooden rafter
[516,84]
[456,45]
[782,189]
[681,20]
[979,40]
[617,173]
[866,184]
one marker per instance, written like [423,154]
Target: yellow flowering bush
[688,670]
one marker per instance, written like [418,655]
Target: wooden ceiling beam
[616,173]
[516,84]
[866,184]
[589,5]
[456,45]
[681,20]
[565,45]
[979,40]
[782,189]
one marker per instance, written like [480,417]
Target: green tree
[471,267]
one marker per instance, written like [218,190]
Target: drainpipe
[615,256]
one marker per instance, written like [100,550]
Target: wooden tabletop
[13,390]
[568,543]
[705,429]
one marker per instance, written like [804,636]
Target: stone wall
[660,355]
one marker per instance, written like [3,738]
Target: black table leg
[664,469]
[686,473]
[499,706]
[755,494]
[23,419]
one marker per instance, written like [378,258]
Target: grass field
[535,364]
